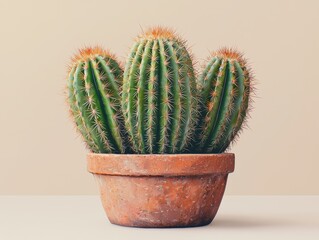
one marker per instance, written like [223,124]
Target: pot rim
[161,164]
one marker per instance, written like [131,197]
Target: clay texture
[161,190]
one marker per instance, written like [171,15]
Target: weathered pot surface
[165,190]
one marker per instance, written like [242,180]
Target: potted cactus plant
[156,134]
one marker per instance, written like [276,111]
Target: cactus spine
[159,93]
[94,82]
[225,86]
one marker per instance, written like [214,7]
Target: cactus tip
[89,52]
[229,53]
[158,32]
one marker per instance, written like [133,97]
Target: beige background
[40,152]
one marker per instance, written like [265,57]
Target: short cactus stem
[225,87]
[94,82]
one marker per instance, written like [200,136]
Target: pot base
[188,226]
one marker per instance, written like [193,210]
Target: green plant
[159,93]
[93,92]
[225,87]
[156,105]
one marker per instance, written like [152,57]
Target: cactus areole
[156,132]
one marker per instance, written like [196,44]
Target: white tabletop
[82,217]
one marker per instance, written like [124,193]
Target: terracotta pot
[179,190]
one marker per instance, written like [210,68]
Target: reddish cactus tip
[158,32]
[89,52]
[229,53]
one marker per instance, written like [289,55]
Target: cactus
[93,91]
[225,87]
[154,106]
[159,93]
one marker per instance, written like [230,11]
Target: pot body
[161,190]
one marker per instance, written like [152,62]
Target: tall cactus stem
[159,93]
